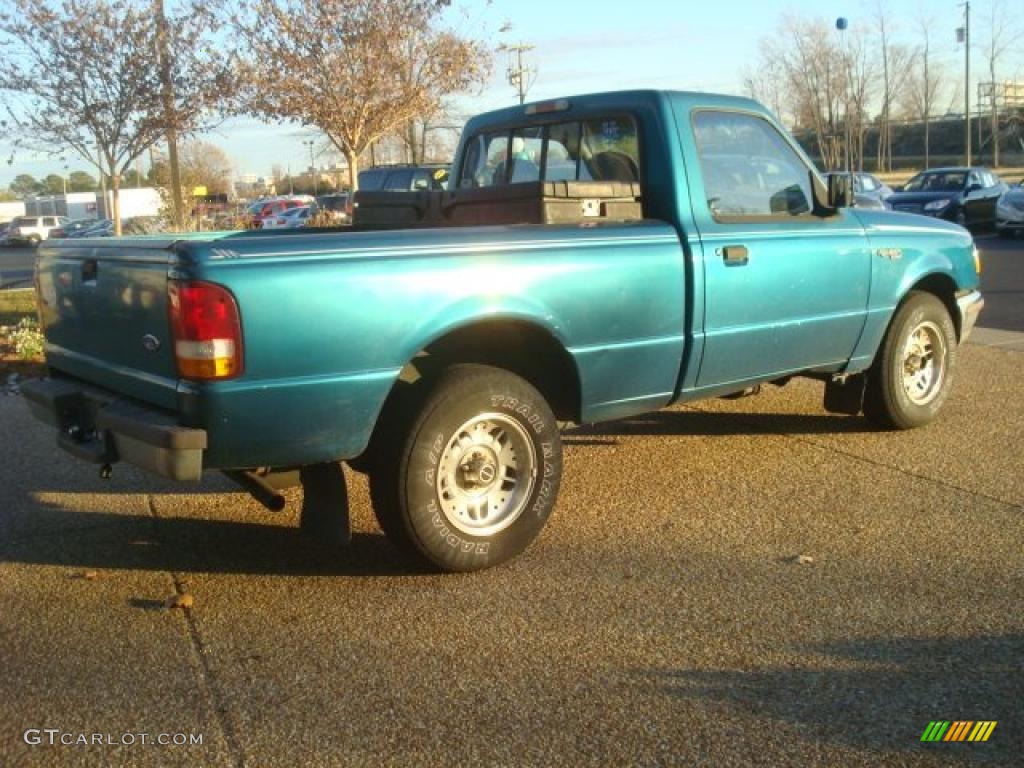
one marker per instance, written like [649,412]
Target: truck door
[785,289]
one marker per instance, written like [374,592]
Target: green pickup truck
[592,258]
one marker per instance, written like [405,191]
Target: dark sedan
[869,191]
[1010,212]
[966,196]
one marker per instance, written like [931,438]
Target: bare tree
[81,76]
[811,74]
[355,69]
[896,62]
[861,74]
[201,165]
[924,83]
[765,81]
[1003,33]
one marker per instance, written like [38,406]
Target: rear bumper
[99,427]
[970,305]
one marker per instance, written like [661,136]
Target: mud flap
[325,504]
[845,395]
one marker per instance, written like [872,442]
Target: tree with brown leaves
[354,69]
[82,77]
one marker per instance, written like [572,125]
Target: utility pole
[170,116]
[963,35]
[519,75]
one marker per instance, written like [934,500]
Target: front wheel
[470,480]
[913,372]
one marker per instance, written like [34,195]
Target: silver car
[1010,211]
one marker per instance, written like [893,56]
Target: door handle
[735,255]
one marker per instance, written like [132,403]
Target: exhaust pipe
[258,488]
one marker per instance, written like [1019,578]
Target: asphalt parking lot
[730,583]
[663,617]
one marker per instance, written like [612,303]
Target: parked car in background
[264,208]
[32,230]
[337,205]
[135,225]
[868,189]
[73,226]
[1010,211]
[966,196]
[99,228]
[290,219]
[404,178]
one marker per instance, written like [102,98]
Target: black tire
[33,241]
[897,396]
[506,469]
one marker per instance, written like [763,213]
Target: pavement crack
[207,677]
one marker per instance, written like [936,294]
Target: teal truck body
[705,294]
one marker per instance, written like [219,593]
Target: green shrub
[27,339]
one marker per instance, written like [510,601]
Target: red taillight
[207,330]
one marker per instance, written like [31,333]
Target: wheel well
[944,289]
[515,346]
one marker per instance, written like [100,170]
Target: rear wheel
[472,477]
[33,240]
[913,373]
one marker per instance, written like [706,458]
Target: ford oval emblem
[150,342]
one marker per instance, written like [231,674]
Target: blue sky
[586,45]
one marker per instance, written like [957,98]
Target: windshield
[952,181]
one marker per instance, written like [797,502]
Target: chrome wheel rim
[923,363]
[486,474]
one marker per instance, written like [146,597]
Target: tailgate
[103,306]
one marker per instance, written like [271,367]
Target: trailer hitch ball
[106,471]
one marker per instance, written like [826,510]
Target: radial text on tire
[470,479]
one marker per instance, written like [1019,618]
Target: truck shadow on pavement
[100,541]
[878,694]
[695,423]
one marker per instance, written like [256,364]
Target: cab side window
[749,169]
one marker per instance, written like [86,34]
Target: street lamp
[841,26]
[963,35]
[312,167]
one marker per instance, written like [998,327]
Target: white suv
[31,230]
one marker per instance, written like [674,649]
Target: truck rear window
[599,149]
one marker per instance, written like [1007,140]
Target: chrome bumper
[969,305]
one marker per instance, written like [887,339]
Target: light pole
[841,26]
[312,167]
[963,35]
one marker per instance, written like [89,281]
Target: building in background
[139,201]
[11,210]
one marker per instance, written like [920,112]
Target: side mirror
[840,190]
[973,188]
[791,200]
